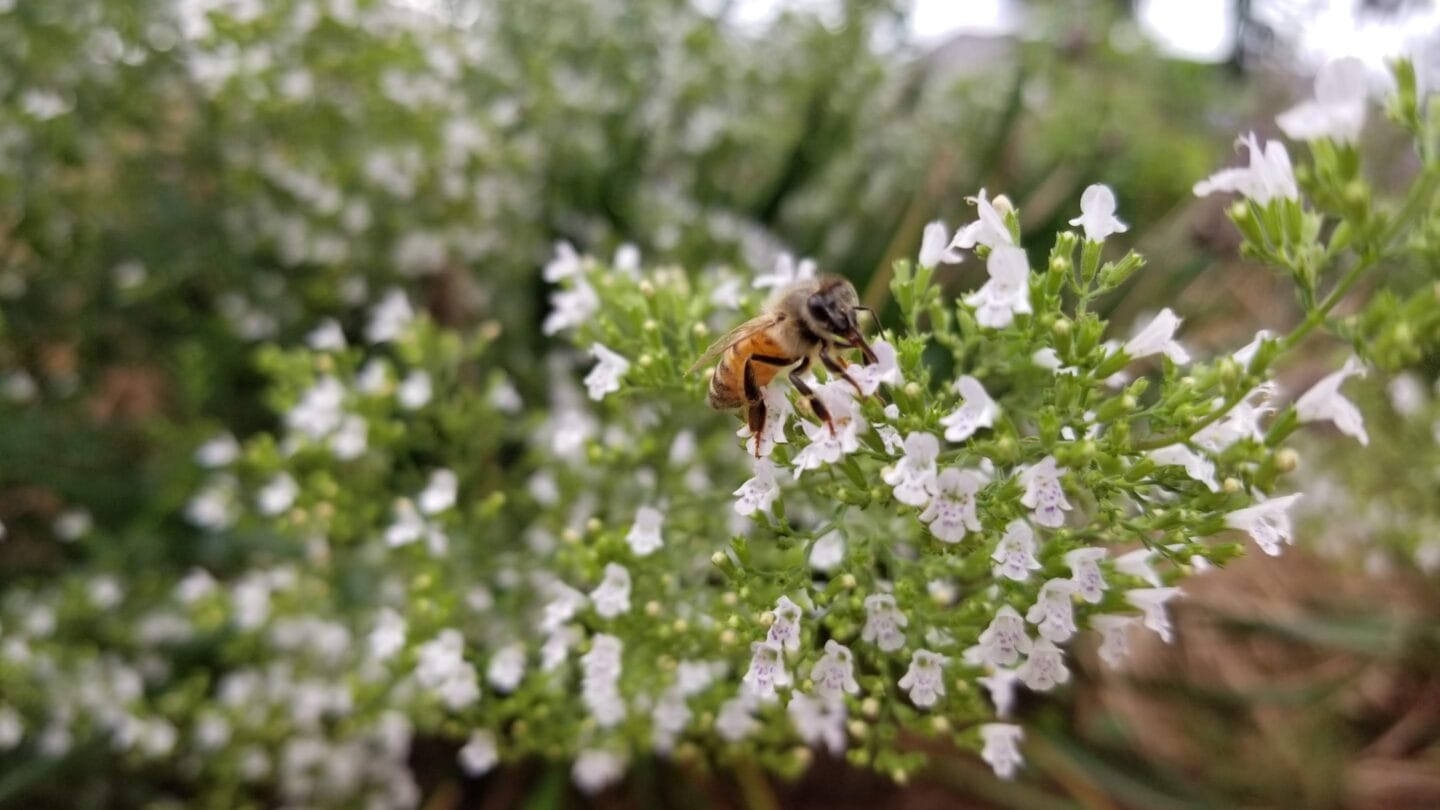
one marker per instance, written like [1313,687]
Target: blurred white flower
[758,494]
[612,596]
[935,247]
[565,263]
[1043,493]
[828,552]
[351,438]
[977,410]
[1268,523]
[1158,337]
[1324,403]
[1085,572]
[915,473]
[388,636]
[644,535]
[1007,292]
[506,668]
[571,308]
[1267,177]
[219,451]
[1001,749]
[1000,683]
[1338,109]
[1044,668]
[1114,637]
[1097,213]
[389,317]
[440,493]
[1002,642]
[605,377]
[479,754]
[884,622]
[414,391]
[951,511]
[1151,602]
[327,337]
[277,495]
[1053,613]
[736,720]
[1137,564]
[594,770]
[1014,555]
[818,721]
[787,271]
[1196,466]
[925,679]
[74,523]
[1407,393]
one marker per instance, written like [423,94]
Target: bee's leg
[836,366]
[755,416]
[809,393]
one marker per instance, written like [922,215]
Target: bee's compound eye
[818,310]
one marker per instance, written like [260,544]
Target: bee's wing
[739,333]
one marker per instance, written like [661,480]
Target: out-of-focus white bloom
[914,474]
[785,630]
[1053,614]
[409,526]
[885,369]
[735,721]
[989,229]
[728,293]
[327,337]
[277,495]
[612,596]
[605,377]
[644,535]
[1196,466]
[506,668]
[350,440]
[828,551]
[74,523]
[891,437]
[884,623]
[834,673]
[1048,359]
[1324,403]
[777,414]
[1002,748]
[373,378]
[600,680]
[758,494]
[977,410]
[1407,394]
[1245,354]
[389,317]
[1338,109]
[1085,572]
[1137,564]
[1043,493]
[1044,668]
[506,398]
[479,754]
[818,721]
[388,636]
[571,308]
[935,247]
[596,769]
[1097,213]
[1014,555]
[1114,637]
[1158,337]
[1267,177]
[787,271]
[105,592]
[1151,602]
[627,260]
[1003,642]
[219,451]
[925,679]
[414,391]
[1427,556]
[441,667]
[319,411]
[767,670]
[1268,523]
[951,511]
[1007,292]
[196,585]
[439,494]
[1242,422]
[19,386]
[566,263]
[1001,685]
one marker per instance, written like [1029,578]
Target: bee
[804,323]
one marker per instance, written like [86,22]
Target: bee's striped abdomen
[727,387]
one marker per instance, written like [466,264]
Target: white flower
[777,414]
[1245,354]
[884,623]
[1137,564]
[1338,109]
[644,535]
[915,473]
[600,679]
[1151,602]
[1002,643]
[441,667]
[767,670]
[828,551]
[389,317]
[327,337]
[594,770]
[785,630]
[627,260]
[925,679]
[1097,213]
[818,721]
[1406,393]
[319,411]
[977,410]
[885,369]
[1268,176]
[277,495]
[407,526]
[828,446]
[414,391]
[935,247]
[1001,685]
[507,668]
[1048,359]
[566,263]
[786,272]
[1267,522]
[759,493]
[1014,555]
[1085,572]
[1323,402]
[1158,337]
[439,494]
[12,728]
[1002,748]
[1053,614]
[1242,422]
[479,754]
[1007,292]
[734,722]
[1043,493]
[1044,669]
[891,437]
[388,636]
[349,441]
[952,506]
[220,451]
[612,596]
[989,229]
[834,673]
[1196,466]
[671,715]
[1114,637]
[605,377]
[571,308]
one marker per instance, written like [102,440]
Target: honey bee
[803,323]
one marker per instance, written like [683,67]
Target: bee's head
[831,313]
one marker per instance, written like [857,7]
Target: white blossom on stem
[1114,637]
[1158,337]
[1097,213]
[885,369]
[1338,109]
[1267,522]
[914,474]
[1137,564]
[1324,403]
[1044,668]
[1001,749]
[977,410]
[925,679]
[777,414]
[989,229]
[952,511]
[1007,292]
[818,721]
[1014,555]
[1043,494]
[1003,642]
[767,670]
[1000,683]
[1268,176]
[834,673]
[605,377]
[644,535]
[1196,466]
[884,622]
[785,630]
[936,248]
[1085,572]
[1151,602]
[611,597]
[1053,614]
[759,493]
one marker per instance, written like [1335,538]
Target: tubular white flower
[989,229]
[1137,564]
[735,721]
[767,670]
[1085,572]
[571,308]
[1007,292]
[1158,337]
[884,623]
[925,679]
[1267,177]
[1014,555]
[827,446]
[644,535]
[605,377]
[777,414]
[611,597]
[1338,109]
[388,636]
[1044,668]
[828,551]
[1196,466]
[885,369]
[935,247]
[1000,683]
[1043,493]
[785,630]
[951,511]
[1002,748]
[1053,614]
[834,673]
[787,271]
[1324,403]
[914,474]
[389,318]
[566,263]
[759,493]
[818,721]
[1003,642]
[1114,637]
[479,754]
[977,410]
[1151,601]
[1097,213]
[1267,523]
